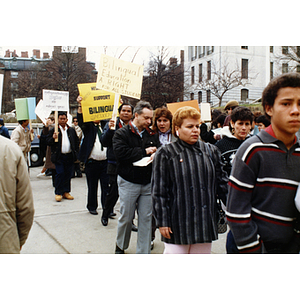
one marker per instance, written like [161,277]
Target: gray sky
[94,52]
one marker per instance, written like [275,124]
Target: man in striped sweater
[265,175]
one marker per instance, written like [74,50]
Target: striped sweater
[186,180]
[262,187]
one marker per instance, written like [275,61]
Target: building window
[244,94]
[285,49]
[208,96]
[199,97]
[210,49]
[244,47]
[14,74]
[200,73]
[192,96]
[193,75]
[298,68]
[285,68]
[245,68]
[271,49]
[271,70]
[209,70]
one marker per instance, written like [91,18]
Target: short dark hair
[263,119]
[285,80]
[140,106]
[62,113]
[120,107]
[241,113]
[21,121]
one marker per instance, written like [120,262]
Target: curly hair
[285,80]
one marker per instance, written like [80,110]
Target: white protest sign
[56,100]
[205,112]
[41,112]
[120,77]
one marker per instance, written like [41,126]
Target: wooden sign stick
[56,124]
[115,111]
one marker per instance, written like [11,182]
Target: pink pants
[204,248]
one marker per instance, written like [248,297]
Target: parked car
[35,157]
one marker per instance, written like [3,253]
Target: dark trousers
[96,170]
[112,195]
[64,170]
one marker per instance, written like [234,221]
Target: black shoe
[134,228]
[93,212]
[112,215]
[119,250]
[152,245]
[104,221]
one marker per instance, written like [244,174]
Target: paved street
[67,227]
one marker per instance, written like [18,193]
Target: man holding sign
[63,155]
[23,136]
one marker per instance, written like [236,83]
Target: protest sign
[25,108]
[41,112]
[56,100]
[120,77]
[174,106]
[96,104]
[205,112]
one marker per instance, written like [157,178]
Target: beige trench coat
[16,199]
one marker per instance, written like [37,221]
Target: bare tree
[222,80]
[164,84]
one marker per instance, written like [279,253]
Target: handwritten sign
[174,106]
[56,100]
[96,104]
[120,77]
[25,108]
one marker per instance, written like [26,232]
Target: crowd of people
[173,170]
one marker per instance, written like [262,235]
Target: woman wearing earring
[240,127]
[186,180]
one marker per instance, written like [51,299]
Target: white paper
[42,112]
[145,161]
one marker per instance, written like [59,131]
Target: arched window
[199,97]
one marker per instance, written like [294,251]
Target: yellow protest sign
[174,106]
[96,104]
[120,77]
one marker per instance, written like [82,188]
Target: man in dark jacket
[132,143]
[125,113]
[63,155]
[93,155]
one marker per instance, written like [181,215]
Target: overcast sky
[142,57]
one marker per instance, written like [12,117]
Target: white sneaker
[41,175]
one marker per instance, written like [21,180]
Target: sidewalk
[68,228]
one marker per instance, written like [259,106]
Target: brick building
[27,76]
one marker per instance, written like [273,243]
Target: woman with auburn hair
[187,178]
[162,124]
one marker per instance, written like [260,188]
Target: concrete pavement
[68,228]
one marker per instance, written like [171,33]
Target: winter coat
[22,138]
[16,200]
[186,181]
[129,147]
